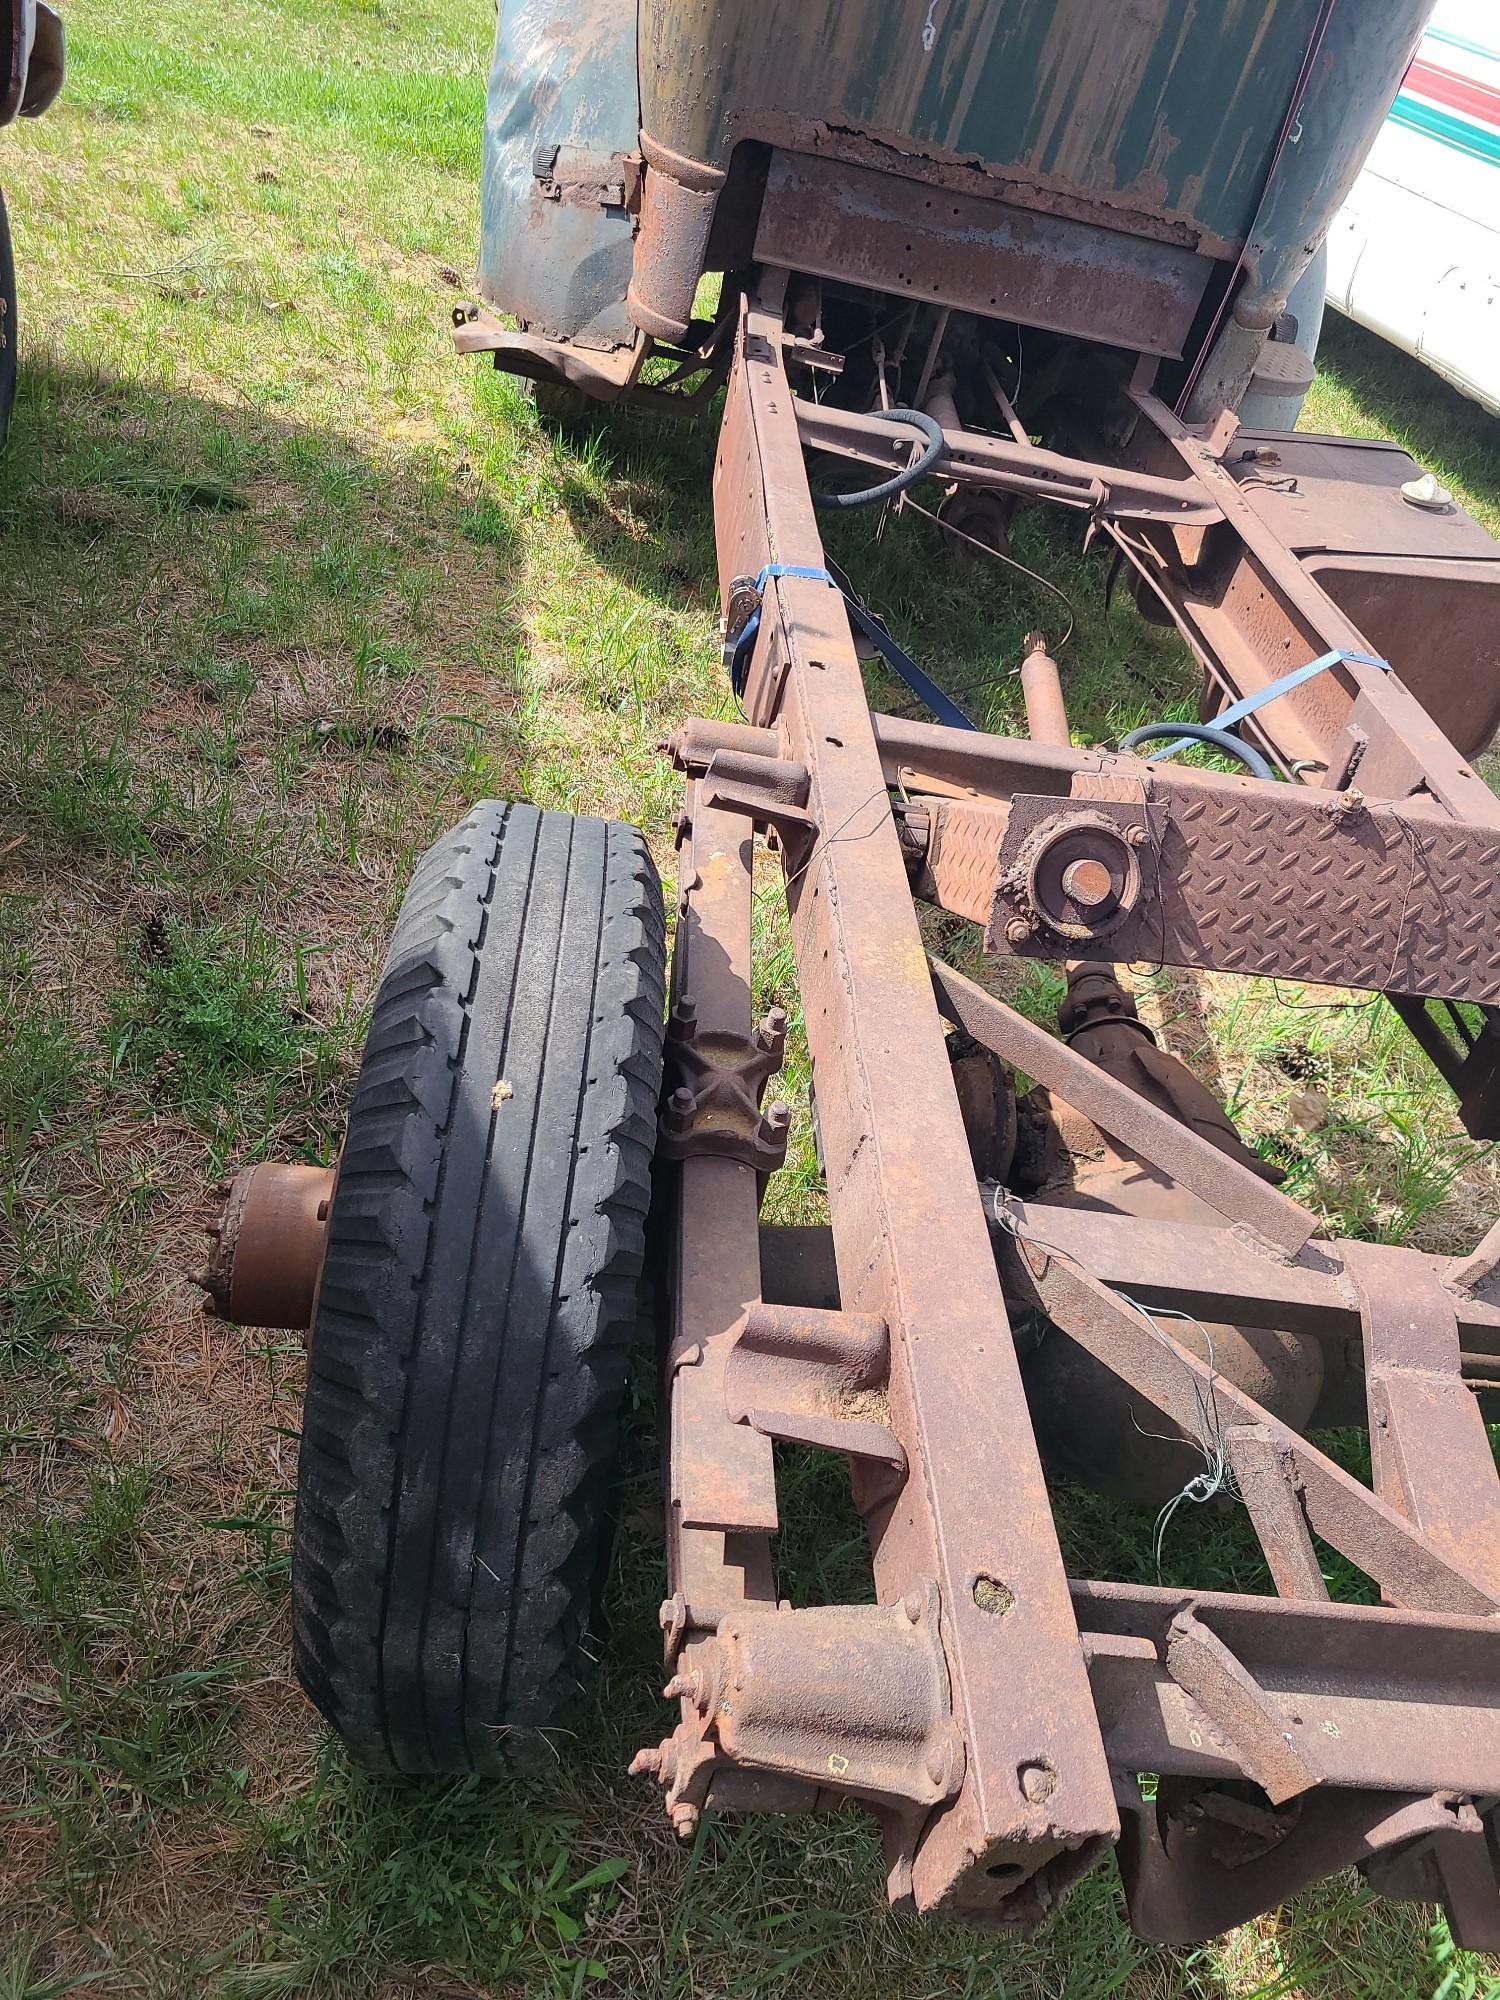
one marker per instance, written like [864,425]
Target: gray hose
[907,476]
[1202,732]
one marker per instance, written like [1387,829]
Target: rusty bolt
[911,1604]
[672,1618]
[656,1761]
[1087,881]
[777,1120]
[684,1818]
[684,1015]
[1038,1782]
[770,1036]
[1018,930]
[1136,836]
[688,1686]
[939,1762]
[678,1116]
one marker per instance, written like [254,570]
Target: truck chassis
[1006,1724]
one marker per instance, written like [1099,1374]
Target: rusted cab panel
[1216,133]
[1169,111]
[560,135]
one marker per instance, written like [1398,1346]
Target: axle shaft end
[267,1248]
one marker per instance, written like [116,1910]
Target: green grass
[288,587]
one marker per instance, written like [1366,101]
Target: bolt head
[1136,836]
[911,1604]
[1018,930]
[1038,1782]
[1087,882]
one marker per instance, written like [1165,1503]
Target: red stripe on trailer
[1479,101]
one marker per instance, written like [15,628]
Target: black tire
[567,409]
[7,323]
[478,1300]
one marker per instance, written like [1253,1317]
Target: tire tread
[477,1305]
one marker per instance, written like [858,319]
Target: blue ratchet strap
[1238,710]
[904,665]
[744,645]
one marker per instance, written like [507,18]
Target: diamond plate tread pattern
[960,866]
[1296,888]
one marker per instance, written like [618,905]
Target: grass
[288,587]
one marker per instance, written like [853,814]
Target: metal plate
[1277,881]
[979,255]
[1344,494]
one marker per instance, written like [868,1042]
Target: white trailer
[1415,252]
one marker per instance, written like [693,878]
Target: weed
[216,1018]
[40,1062]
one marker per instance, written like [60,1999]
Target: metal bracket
[1429,1451]
[771,791]
[851,1698]
[715,1082]
[1237,1706]
[817,1378]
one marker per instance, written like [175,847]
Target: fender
[561,169]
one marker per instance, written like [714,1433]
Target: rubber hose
[925,460]
[1202,732]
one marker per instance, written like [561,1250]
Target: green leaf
[605,1871]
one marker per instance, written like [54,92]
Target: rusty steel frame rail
[1025,1810]
[993,1715]
[1386,736]
[970,457]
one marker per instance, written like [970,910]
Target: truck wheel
[7,323]
[478,1298]
[567,409]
